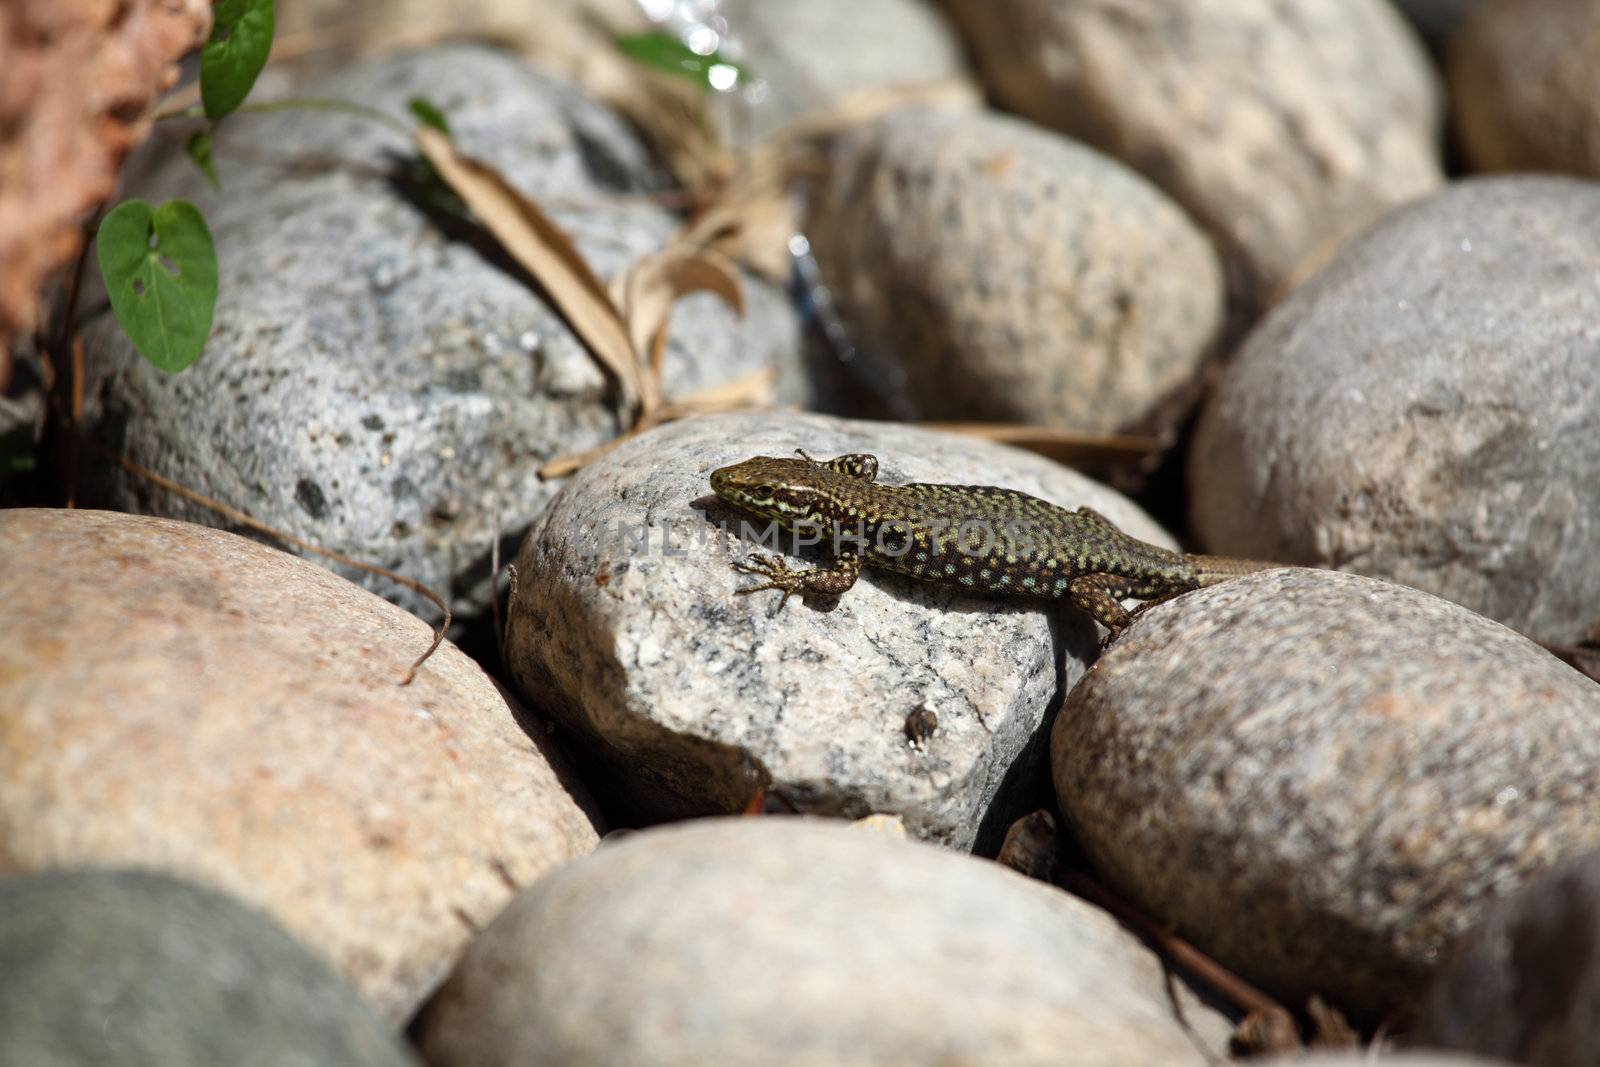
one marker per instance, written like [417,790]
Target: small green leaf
[199,148]
[160,270]
[667,53]
[429,115]
[241,38]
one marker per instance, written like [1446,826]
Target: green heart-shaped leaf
[200,149]
[241,38]
[160,270]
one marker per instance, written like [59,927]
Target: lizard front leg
[819,581]
[863,465]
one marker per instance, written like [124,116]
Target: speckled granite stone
[811,944]
[1323,779]
[625,629]
[383,382]
[1428,410]
[1282,126]
[1000,271]
[141,970]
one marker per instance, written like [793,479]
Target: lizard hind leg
[1100,595]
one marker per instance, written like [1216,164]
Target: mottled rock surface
[1425,410]
[1525,86]
[1525,983]
[1003,272]
[1281,126]
[181,698]
[759,941]
[813,54]
[379,381]
[1324,779]
[141,970]
[625,628]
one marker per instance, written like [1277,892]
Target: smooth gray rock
[1425,410]
[812,55]
[1525,984]
[381,384]
[1003,272]
[1324,779]
[1282,127]
[795,941]
[1525,86]
[625,629]
[141,970]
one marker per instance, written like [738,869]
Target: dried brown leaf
[547,253]
[653,284]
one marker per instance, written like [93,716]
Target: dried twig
[257,525]
[1270,1021]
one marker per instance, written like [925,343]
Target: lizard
[982,538]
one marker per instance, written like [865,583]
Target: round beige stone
[180,698]
[1282,127]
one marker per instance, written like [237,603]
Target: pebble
[625,629]
[142,970]
[802,942]
[1323,780]
[1281,127]
[1001,272]
[176,697]
[1424,410]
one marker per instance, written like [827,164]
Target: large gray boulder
[381,380]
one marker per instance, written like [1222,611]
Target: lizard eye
[765,490]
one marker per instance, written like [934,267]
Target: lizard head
[784,490]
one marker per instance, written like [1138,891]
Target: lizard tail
[1209,570]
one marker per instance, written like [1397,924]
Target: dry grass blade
[562,466]
[1063,446]
[546,252]
[751,390]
